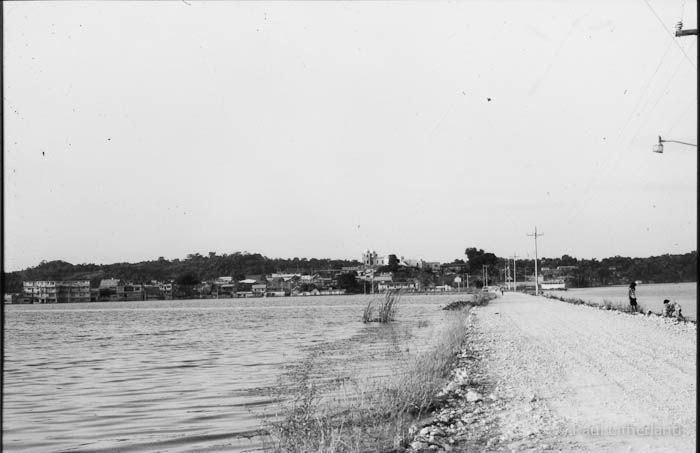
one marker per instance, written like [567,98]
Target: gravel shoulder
[572,377]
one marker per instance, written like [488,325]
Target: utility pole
[507,278]
[681,32]
[537,283]
[515,277]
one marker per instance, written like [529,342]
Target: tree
[477,258]
[393,263]
[187,279]
[349,283]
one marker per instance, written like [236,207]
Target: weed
[364,414]
[385,311]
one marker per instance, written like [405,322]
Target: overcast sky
[135,130]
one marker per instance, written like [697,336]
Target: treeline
[619,270]
[616,270]
[582,273]
[238,265]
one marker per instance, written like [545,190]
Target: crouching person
[672,310]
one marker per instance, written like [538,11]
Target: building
[55,292]
[396,286]
[370,258]
[73,291]
[166,289]
[410,262]
[108,289]
[130,292]
[152,292]
[258,289]
[13,298]
[223,287]
[432,265]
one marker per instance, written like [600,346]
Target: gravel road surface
[576,378]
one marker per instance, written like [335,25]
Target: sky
[135,130]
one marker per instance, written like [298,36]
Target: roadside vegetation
[361,414]
[477,300]
[609,305]
[386,308]
[606,305]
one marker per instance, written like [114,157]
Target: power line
[670,33]
[646,88]
[676,120]
[658,99]
[682,9]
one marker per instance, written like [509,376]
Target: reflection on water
[182,375]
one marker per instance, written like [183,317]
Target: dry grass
[365,415]
[386,308]
[607,304]
[478,300]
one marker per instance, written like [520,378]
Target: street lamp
[659,147]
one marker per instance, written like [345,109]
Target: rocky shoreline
[463,420]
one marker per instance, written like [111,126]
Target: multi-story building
[130,292]
[166,290]
[55,292]
[432,265]
[259,289]
[370,258]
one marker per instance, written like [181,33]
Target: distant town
[201,277]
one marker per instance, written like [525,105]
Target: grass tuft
[365,414]
[607,304]
[385,311]
[479,299]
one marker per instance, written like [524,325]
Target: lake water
[649,297]
[191,375]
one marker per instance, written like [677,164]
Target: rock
[424,432]
[438,432]
[418,446]
[533,398]
[473,396]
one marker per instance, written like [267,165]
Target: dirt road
[571,377]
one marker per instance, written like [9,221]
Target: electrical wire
[691,103]
[682,9]
[658,99]
[670,33]
[676,120]
[644,90]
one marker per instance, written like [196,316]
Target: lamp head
[659,147]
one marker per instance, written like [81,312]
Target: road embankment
[540,374]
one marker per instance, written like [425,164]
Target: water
[649,297]
[183,375]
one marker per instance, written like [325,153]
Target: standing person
[633,297]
